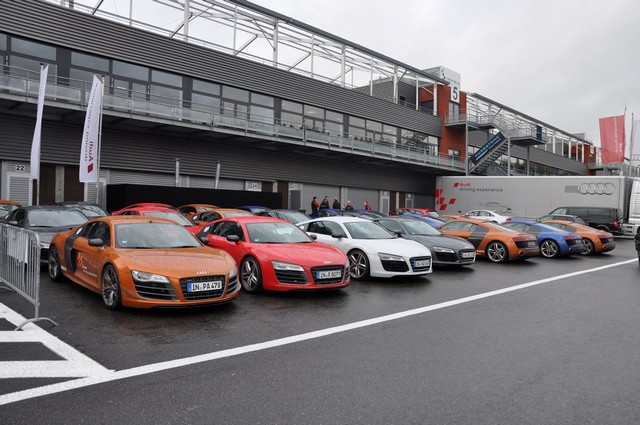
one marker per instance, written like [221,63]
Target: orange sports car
[144,262]
[595,241]
[7,206]
[217,214]
[493,241]
[190,210]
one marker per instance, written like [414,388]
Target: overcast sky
[564,62]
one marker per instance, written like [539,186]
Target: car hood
[404,247]
[46,234]
[306,254]
[178,263]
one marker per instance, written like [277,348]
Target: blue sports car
[553,243]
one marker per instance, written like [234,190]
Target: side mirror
[96,242]
[338,235]
[313,236]
[233,238]
[204,239]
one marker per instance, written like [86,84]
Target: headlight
[148,277]
[389,257]
[441,249]
[278,265]
[233,274]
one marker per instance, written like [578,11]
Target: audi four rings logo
[596,188]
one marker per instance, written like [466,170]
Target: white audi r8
[372,250]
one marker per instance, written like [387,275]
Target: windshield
[177,217]
[367,230]
[92,211]
[295,217]
[55,218]
[419,227]
[276,232]
[151,235]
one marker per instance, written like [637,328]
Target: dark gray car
[445,250]
[46,220]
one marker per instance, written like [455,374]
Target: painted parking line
[74,364]
[172,364]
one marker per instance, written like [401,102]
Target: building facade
[177,112]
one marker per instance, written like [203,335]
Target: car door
[324,231]
[218,233]
[87,260]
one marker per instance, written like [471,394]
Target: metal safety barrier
[20,265]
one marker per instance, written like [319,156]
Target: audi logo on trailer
[598,188]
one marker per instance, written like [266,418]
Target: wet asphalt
[563,351]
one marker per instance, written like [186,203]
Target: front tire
[55,269]
[251,275]
[358,264]
[497,252]
[110,285]
[589,248]
[549,249]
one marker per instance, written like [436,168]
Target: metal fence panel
[20,265]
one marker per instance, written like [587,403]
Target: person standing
[325,202]
[636,239]
[349,206]
[367,206]
[336,204]
[314,205]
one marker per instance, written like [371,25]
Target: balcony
[20,87]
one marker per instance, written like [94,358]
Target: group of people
[315,205]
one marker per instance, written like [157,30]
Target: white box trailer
[533,196]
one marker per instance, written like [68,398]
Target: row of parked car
[149,255]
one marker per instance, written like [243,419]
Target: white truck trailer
[533,196]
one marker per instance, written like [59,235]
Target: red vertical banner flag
[612,140]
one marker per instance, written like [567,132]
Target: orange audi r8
[143,262]
[595,241]
[190,210]
[493,241]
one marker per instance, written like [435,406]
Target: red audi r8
[274,254]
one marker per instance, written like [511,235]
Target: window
[129,70]
[33,49]
[3,42]
[91,62]
[166,78]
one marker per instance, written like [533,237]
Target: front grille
[415,268]
[203,295]
[291,276]
[155,290]
[446,257]
[395,266]
[315,270]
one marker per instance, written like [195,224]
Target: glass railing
[73,94]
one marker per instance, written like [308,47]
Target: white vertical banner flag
[635,141]
[37,132]
[90,149]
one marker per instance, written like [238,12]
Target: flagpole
[99,143]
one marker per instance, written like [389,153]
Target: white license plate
[468,254]
[331,274]
[204,286]
[421,263]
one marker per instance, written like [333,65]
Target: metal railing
[20,265]
[73,94]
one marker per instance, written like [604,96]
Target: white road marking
[172,364]
[74,363]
